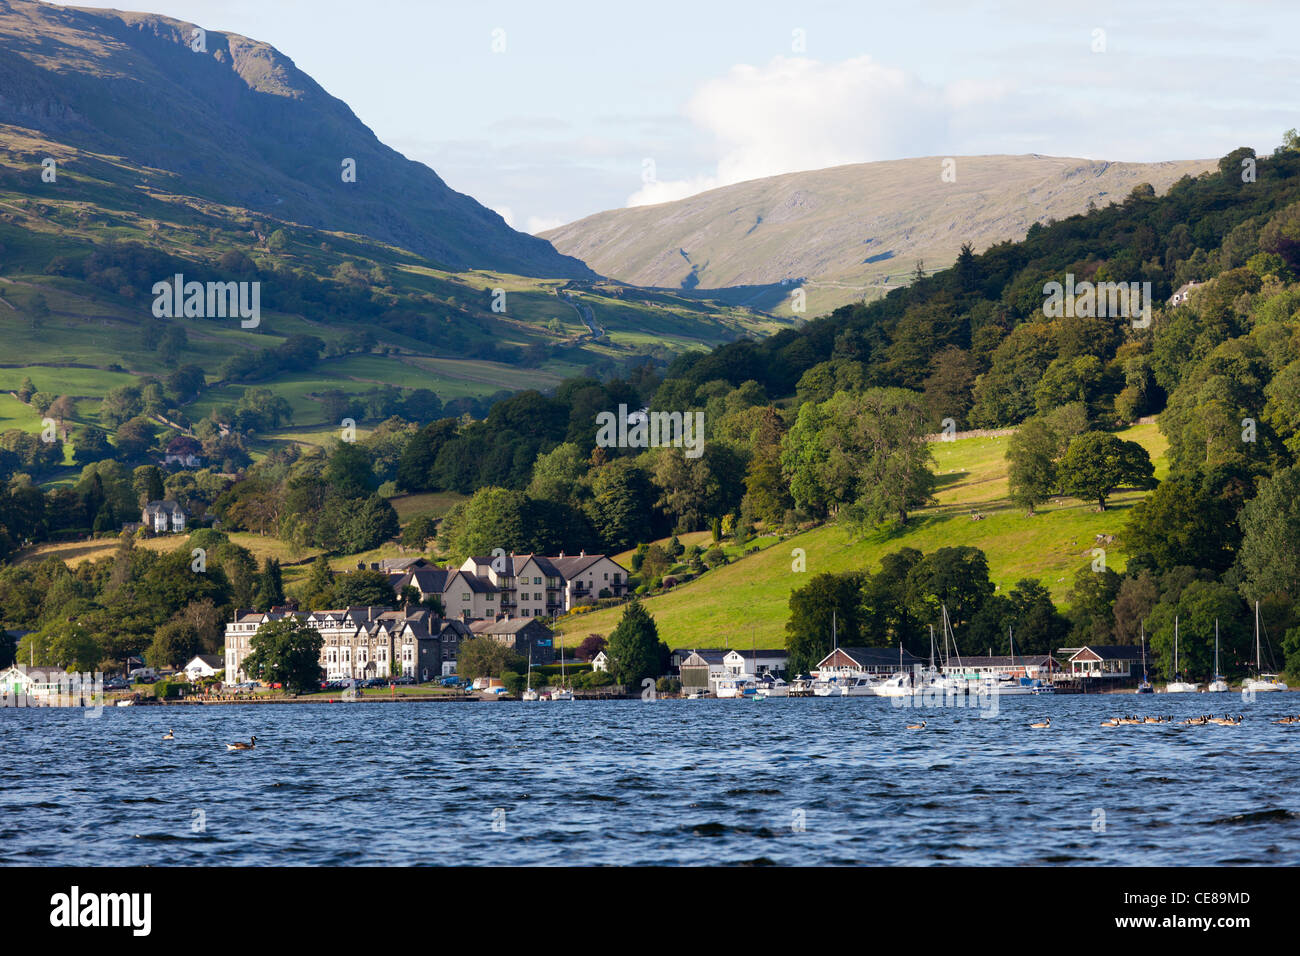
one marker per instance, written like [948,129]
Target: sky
[548,112]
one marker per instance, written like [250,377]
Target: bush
[715,557]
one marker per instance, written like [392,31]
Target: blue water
[663,782]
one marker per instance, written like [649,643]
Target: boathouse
[865,662]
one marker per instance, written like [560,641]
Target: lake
[808,781]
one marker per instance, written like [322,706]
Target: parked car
[407,679]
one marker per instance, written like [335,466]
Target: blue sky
[591,106]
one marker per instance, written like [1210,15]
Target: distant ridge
[243,126]
[849,232]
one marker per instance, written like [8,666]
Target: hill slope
[851,231]
[244,127]
[749,598]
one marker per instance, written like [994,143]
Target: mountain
[241,126]
[849,232]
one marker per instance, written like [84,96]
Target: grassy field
[748,599]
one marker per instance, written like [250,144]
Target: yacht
[728,688]
[1261,682]
[1218,685]
[1144,687]
[564,691]
[771,686]
[1179,686]
[529,693]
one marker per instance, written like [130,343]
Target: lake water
[813,781]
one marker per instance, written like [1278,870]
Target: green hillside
[747,599]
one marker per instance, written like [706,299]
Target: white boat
[827,688]
[529,693]
[126,702]
[1261,682]
[564,691]
[1144,687]
[1218,685]
[1179,686]
[694,695]
[729,688]
[772,687]
[858,687]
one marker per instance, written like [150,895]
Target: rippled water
[665,782]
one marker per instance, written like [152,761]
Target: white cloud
[538,224]
[798,114]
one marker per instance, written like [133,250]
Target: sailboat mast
[1175,645]
[1259,660]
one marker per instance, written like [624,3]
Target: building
[1181,293]
[600,662]
[450,635]
[359,642]
[865,662]
[204,665]
[1106,662]
[752,664]
[463,594]
[534,585]
[701,670]
[522,635]
[184,452]
[1039,666]
[34,683]
[163,517]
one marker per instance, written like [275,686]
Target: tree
[363,588]
[1183,522]
[484,656]
[1270,548]
[956,578]
[286,652]
[635,651]
[622,506]
[270,587]
[1031,464]
[592,645]
[1092,600]
[825,598]
[176,642]
[421,530]
[318,591]
[1097,463]
[147,482]
[1196,609]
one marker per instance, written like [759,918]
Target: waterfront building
[535,585]
[865,662]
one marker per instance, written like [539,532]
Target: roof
[1107,652]
[708,655]
[559,566]
[403,564]
[875,656]
[749,655]
[509,625]
[212,660]
[1020,660]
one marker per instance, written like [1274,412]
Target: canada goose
[1110,722]
[920,726]
[170,735]
[1043,724]
[243,746]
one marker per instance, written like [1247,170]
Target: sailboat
[1007,685]
[1262,681]
[829,687]
[564,691]
[529,693]
[1218,685]
[1178,686]
[1145,686]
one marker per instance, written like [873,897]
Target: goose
[243,746]
[1110,722]
[920,726]
[170,735]
[1042,724]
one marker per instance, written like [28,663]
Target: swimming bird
[170,735]
[243,746]
[1110,722]
[1043,724]
[920,726]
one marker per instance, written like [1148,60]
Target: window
[537,580]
